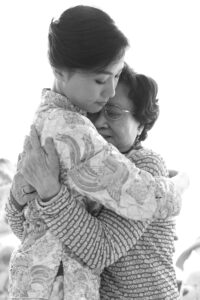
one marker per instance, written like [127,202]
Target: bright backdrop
[164,37]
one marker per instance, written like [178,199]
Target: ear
[60,75]
[140,129]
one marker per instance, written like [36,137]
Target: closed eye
[100,82]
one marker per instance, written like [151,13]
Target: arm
[21,192]
[15,216]
[108,236]
[97,241]
[149,161]
[97,170]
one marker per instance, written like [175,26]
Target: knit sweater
[118,185]
[146,271]
[134,257]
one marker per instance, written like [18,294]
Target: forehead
[111,70]
[121,97]
[115,66]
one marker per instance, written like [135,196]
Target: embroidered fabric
[89,167]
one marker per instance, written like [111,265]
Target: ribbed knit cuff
[14,205]
[54,205]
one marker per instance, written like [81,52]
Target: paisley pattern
[92,168]
[34,266]
[95,169]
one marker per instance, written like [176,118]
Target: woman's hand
[181,181]
[172,173]
[58,289]
[21,190]
[40,166]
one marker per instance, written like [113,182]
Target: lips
[103,102]
[104,133]
[108,139]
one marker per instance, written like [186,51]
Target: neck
[135,147]
[55,87]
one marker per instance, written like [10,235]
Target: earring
[137,141]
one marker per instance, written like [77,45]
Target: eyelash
[103,82]
[100,82]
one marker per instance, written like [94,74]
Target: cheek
[90,94]
[128,133]
[90,89]
[122,136]
[84,91]
[119,134]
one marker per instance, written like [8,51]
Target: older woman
[133,257]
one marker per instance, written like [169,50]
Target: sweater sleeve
[15,217]
[97,170]
[97,241]
[149,161]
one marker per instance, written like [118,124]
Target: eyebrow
[107,72]
[104,72]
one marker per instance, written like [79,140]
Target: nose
[109,89]
[100,121]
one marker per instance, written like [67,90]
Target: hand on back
[40,166]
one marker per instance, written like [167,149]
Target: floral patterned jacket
[90,167]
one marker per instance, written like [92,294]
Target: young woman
[86,52]
[135,257]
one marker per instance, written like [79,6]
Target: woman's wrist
[19,207]
[50,192]
[53,205]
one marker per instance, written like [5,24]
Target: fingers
[172,173]
[19,161]
[34,138]
[58,289]
[21,190]
[27,144]
[49,147]
[29,197]
[53,161]
[28,189]
[181,181]
[19,157]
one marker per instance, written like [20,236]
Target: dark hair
[85,38]
[143,93]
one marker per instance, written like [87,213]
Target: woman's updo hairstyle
[84,38]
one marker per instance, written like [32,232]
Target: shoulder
[56,119]
[57,109]
[149,161]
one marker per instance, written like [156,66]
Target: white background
[164,37]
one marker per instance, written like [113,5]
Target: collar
[54,99]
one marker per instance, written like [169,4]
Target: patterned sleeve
[98,241]
[102,240]
[97,170]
